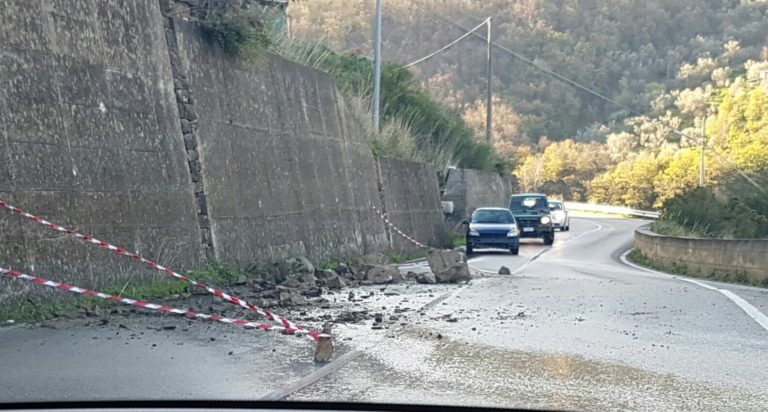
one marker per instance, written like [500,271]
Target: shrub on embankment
[716,232]
[734,210]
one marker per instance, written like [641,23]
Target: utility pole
[377,69]
[489,70]
[703,150]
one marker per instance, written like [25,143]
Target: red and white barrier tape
[120,251]
[400,232]
[154,306]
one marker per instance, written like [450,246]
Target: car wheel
[514,250]
[469,249]
[549,238]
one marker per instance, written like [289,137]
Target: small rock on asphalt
[504,271]
[426,278]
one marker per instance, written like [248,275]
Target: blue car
[492,227]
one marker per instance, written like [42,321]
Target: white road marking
[596,229]
[531,259]
[750,310]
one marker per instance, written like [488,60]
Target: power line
[429,56]
[577,85]
[524,59]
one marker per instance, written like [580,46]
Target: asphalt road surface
[572,327]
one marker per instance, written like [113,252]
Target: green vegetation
[670,227]
[637,257]
[237,33]
[32,311]
[728,211]
[214,274]
[459,241]
[155,289]
[217,273]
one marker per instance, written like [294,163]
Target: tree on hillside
[618,48]
[681,173]
[630,184]
[530,173]
[740,128]
[507,132]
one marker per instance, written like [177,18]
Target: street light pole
[377,69]
[489,70]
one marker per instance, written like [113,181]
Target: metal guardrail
[590,207]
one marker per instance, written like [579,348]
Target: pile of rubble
[297,282]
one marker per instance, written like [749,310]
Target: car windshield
[492,216]
[332,201]
[528,203]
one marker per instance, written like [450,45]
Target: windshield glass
[529,203]
[492,216]
[555,206]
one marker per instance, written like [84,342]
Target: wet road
[573,328]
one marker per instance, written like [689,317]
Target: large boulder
[360,272]
[454,274]
[448,266]
[379,274]
[307,278]
[330,279]
[290,297]
[335,282]
[301,281]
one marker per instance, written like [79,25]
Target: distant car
[531,211]
[492,227]
[560,218]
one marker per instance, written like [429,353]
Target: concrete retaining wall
[286,172]
[89,137]
[707,257]
[469,189]
[411,198]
